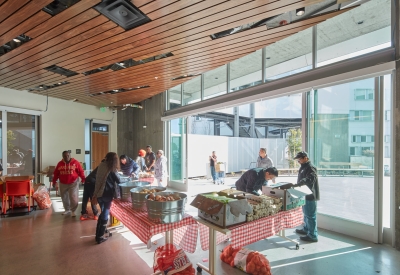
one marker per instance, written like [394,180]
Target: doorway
[100,143]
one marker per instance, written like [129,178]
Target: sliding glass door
[345,143]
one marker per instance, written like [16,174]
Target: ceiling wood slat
[8,8]
[25,26]
[54,22]
[45,40]
[25,12]
[62,41]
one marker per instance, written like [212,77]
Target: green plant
[10,138]
[368,153]
[293,141]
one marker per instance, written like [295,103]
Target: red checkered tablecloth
[251,232]
[185,231]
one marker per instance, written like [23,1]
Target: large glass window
[358,31]
[246,71]
[175,97]
[215,82]
[21,144]
[345,171]
[192,91]
[289,56]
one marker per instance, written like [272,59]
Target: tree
[10,138]
[294,145]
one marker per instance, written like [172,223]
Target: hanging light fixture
[300,11]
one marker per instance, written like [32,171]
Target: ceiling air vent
[58,6]
[122,12]
[121,90]
[15,43]
[59,70]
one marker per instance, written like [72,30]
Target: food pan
[126,187]
[168,211]
[139,199]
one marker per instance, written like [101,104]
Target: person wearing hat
[308,176]
[253,180]
[140,160]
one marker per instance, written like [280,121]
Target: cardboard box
[292,198]
[221,214]
[220,167]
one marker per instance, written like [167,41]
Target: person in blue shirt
[129,167]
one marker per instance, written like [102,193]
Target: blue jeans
[213,173]
[105,205]
[310,219]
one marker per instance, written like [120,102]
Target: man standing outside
[213,162]
[129,167]
[150,159]
[69,170]
[308,176]
[263,161]
[253,180]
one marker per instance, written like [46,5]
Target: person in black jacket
[107,179]
[88,189]
[308,176]
[253,180]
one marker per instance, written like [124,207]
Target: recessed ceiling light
[156,77]
[300,12]
[17,40]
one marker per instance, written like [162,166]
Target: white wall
[237,152]
[62,125]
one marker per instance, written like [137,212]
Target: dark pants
[88,190]
[105,205]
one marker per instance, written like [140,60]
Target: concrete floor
[45,242]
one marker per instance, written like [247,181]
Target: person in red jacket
[69,170]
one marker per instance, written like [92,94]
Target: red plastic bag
[169,260]
[41,196]
[251,262]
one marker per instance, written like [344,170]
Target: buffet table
[246,233]
[182,234]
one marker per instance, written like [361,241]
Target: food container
[139,199]
[123,178]
[166,211]
[126,187]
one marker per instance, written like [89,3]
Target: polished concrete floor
[45,242]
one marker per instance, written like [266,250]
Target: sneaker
[95,217]
[66,212]
[84,217]
[301,231]
[308,239]
[73,214]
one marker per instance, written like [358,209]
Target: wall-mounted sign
[78,151]
[87,152]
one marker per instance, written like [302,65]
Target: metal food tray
[168,211]
[139,199]
[126,187]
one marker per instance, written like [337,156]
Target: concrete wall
[62,125]
[132,136]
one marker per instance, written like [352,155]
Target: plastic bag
[249,261]
[41,196]
[20,201]
[169,260]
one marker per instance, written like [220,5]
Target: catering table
[246,233]
[182,234]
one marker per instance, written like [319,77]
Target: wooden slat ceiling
[81,39]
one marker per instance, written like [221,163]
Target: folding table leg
[212,253]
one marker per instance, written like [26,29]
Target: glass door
[177,154]
[344,145]
[21,144]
